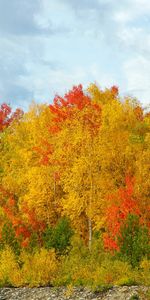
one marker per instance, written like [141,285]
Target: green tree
[59,236]
[8,238]
[133,240]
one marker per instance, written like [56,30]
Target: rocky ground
[48,293]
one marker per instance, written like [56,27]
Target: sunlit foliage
[79,166]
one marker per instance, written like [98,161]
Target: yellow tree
[142,170]
[24,175]
[78,121]
[123,144]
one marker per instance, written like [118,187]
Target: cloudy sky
[46,46]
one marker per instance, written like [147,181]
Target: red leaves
[115,90]
[63,107]
[44,152]
[6,118]
[5,111]
[54,129]
[68,107]
[25,243]
[33,222]
[56,176]
[22,231]
[121,204]
[76,97]
[109,243]
[139,113]
[8,212]
[17,115]
[11,202]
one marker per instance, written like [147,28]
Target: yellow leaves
[2,214]
[99,96]
[92,152]
[95,93]
[145,271]
[39,268]
[112,116]
[96,269]
[22,174]
[9,268]
[99,221]
[142,183]
[40,193]
[111,273]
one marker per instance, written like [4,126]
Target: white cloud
[48,46]
[137,72]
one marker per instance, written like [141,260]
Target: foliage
[144,275]
[59,236]
[75,180]
[8,238]
[93,268]
[134,297]
[133,241]
[122,203]
[10,274]
[39,268]
[7,117]
[96,270]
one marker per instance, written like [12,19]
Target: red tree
[7,116]
[122,203]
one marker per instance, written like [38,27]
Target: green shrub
[112,272]
[8,238]
[59,236]
[33,243]
[133,241]
[134,297]
[73,265]
[95,269]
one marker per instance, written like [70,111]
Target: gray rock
[61,293]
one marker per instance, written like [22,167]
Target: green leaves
[8,238]
[133,241]
[59,236]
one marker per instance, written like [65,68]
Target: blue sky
[47,46]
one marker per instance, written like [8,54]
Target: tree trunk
[90,205]
[55,192]
[90,233]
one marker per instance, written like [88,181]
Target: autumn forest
[75,191]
